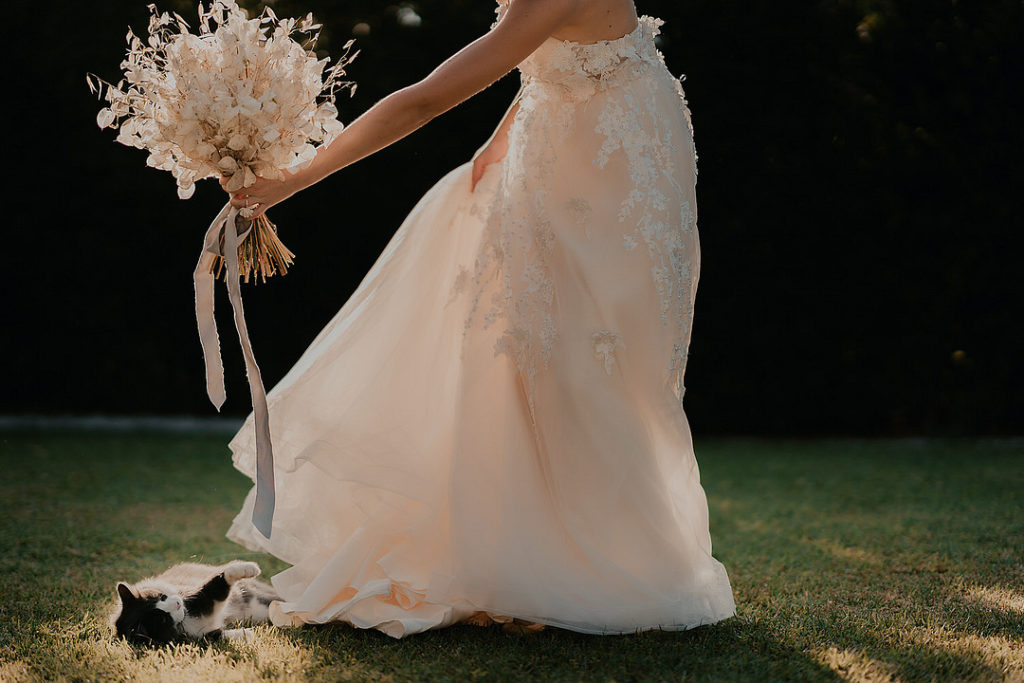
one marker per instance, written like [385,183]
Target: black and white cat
[192,600]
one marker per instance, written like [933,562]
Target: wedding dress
[493,422]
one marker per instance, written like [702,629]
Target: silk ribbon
[222,239]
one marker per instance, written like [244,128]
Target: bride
[491,427]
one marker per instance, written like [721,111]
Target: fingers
[242,201]
[245,201]
[258,197]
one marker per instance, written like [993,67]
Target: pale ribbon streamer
[203,279]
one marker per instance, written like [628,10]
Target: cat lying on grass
[192,601]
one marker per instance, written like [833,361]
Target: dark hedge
[859,192]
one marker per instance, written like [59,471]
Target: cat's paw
[241,570]
[238,634]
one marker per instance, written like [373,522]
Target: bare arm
[526,24]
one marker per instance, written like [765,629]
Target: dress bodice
[583,68]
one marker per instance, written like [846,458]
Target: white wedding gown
[493,421]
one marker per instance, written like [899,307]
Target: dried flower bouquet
[240,98]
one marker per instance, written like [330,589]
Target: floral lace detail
[462,280]
[679,281]
[499,11]
[511,280]
[631,126]
[580,209]
[517,240]
[514,255]
[689,119]
[579,70]
[605,342]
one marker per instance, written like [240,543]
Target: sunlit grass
[850,560]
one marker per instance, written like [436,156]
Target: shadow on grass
[733,650]
[729,651]
[884,560]
[849,560]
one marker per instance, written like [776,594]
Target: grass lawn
[850,560]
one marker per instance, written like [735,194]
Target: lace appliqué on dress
[517,239]
[630,125]
[499,11]
[605,342]
[580,209]
[513,260]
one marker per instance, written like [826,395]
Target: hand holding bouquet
[241,99]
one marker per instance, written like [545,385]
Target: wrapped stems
[260,252]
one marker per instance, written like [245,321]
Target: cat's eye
[163,597]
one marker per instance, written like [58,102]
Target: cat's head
[147,615]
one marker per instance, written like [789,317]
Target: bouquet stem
[260,254]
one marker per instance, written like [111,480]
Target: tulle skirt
[416,487]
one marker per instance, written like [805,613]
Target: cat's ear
[125,592]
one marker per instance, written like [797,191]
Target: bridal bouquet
[239,98]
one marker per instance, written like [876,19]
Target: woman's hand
[262,194]
[492,154]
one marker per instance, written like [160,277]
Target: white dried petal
[105,118]
[238,142]
[236,182]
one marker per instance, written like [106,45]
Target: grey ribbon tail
[202,279]
[224,224]
[263,509]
